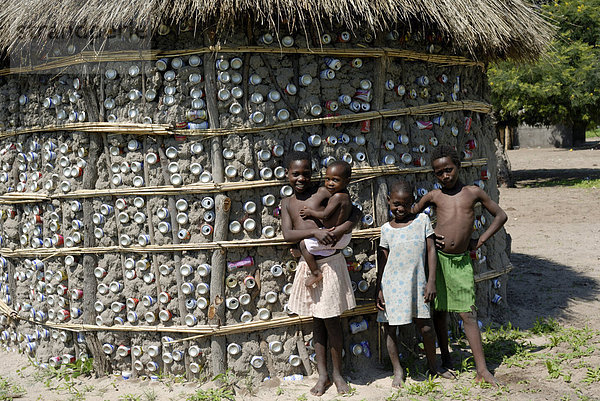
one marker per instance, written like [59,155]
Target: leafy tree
[563,87]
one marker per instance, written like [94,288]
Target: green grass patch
[219,394]
[586,183]
[545,326]
[592,133]
[8,389]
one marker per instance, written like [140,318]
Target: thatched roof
[485,29]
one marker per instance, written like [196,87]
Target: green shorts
[454,282]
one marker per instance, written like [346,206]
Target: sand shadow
[540,288]
[554,177]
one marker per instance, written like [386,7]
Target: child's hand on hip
[380,300]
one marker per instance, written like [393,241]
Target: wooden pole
[507,138]
[102,365]
[220,229]
[176,255]
[380,207]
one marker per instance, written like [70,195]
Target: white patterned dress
[403,282]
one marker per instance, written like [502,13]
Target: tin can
[257,362]
[484,174]
[355,106]
[471,144]
[206,229]
[333,63]
[439,120]
[357,327]
[344,37]
[291,89]
[388,160]
[395,125]
[468,123]
[305,80]
[332,105]
[327,74]
[496,299]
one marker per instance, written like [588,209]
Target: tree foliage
[563,87]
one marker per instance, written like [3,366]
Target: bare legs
[317,275]
[474,337]
[441,328]
[391,342]
[473,334]
[324,330]
[428,334]
[320,343]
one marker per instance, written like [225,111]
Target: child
[454,205]
[404,292]
[333,294]
[335,213]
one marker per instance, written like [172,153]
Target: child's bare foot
[341,385]
[398,379]
[441,372]
[322,385]
[487,377]
[313,279]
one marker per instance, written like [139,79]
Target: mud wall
[137,289]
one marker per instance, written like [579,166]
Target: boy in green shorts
[454,205]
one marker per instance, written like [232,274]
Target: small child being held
[454,205]
[336,212]
[404,290]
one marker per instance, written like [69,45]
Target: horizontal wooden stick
[163,129]
[359,174]
[154,54]
[208,330]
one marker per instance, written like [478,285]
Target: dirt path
[555,237]
[556,253]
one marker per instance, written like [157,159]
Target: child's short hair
[402,186]
[446,151]
[296,155]
[347,168]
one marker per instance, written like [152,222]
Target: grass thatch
[483,29]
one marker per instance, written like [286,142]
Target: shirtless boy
[454,205]
[336,212]
[333,294]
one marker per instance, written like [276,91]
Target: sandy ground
[555,244]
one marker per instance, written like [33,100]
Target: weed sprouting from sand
[130,397]
[554,369]
[592,375]
[545,326]
[10,390]
[218,394]
[350,392]
[302,397]
[279,391]
[150,395]
[424,388]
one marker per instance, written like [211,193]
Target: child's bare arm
[495,210]
[348,225]
[422,203]
[382,257]
[430,289]
[333,205]
[296,235]
[321,195]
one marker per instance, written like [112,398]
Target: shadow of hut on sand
[540,288]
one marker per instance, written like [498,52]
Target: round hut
[142,146]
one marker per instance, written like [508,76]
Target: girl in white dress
[403,290]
